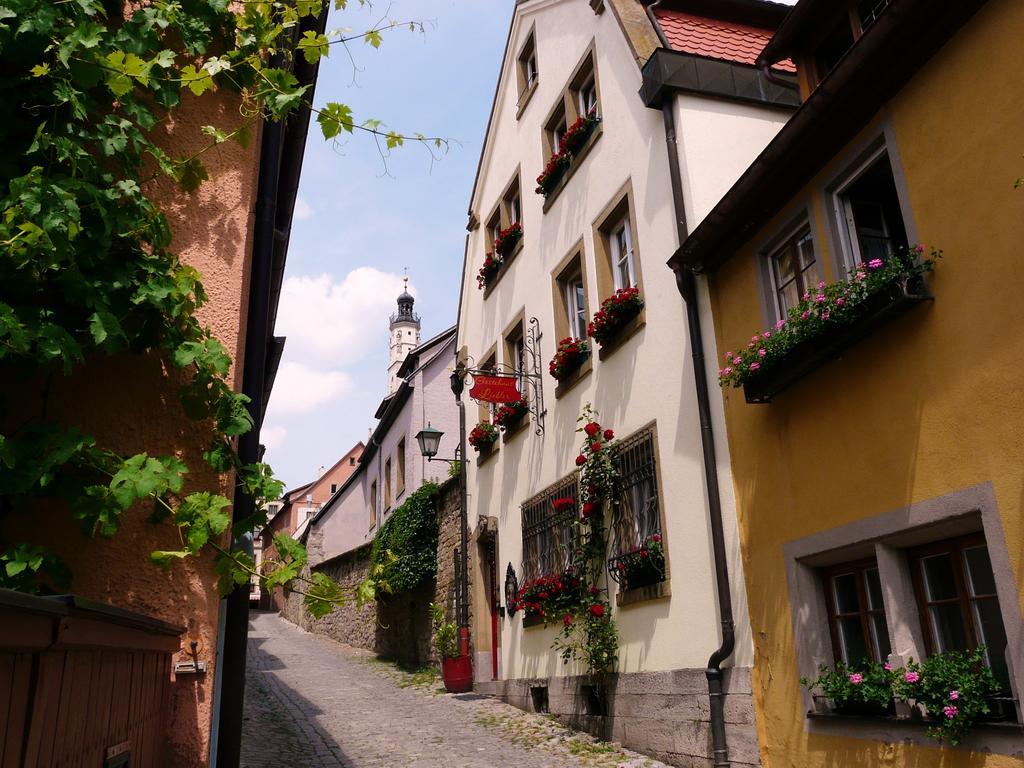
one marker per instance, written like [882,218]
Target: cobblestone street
[315,703]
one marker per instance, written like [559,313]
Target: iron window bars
[547,534]
[638,516]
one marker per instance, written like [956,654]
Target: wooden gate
[82,684]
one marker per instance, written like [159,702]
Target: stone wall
[395,626]
[662,714]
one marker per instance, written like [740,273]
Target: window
[526,69]
[352,461]
[576,306]
[387,484]
[515,354]
[555,130]
[868,210]
[334,488]
[373,503]
[834,46]
[400,467]
[956,596]
[547,534]
[513,203]
[493,229]
[868,12]
[583,97]
[586,97]
[794,270]
[623,263]
[853,594]
[638,516]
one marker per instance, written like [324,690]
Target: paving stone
[315,703]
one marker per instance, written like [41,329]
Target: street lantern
[429,440]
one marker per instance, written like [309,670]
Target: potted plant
[954,687]
[488,271]
[864,689]
[550,597]
[507,240]
[483,436]
[510,414]
[552,173]
[577,134]
[617,310]
[642,566]
[570,354]
[456,670]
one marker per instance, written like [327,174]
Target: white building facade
[608,223]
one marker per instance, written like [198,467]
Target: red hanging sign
[495,389]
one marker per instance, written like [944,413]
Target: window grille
[638,515]
[547,534]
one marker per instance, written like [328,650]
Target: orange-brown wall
[928,405]
[130,404]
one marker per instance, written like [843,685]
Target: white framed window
[867,211]
[557,132]
[530,68]
[515,209]
[587,96]
[623,262]
[576,304]
[794,270]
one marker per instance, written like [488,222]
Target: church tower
[405,336]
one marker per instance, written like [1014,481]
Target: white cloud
[303,210]
[333,324]
[299,388]
[273,437]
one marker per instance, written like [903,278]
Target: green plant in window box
[483,436]
[643,566]
[954,687]
[861,689]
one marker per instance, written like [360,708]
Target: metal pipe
[458,384]
[771,77]
[687,285]
[657,27]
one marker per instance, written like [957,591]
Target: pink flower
[737,360]
[766,335]
[726,371]
[755,366]
[840,302]
[762,352]
[825,315]
[755,338]
[821,284]
[911,677]
[819,298]
[780,325]
[888,667]
[804,315]
[874,264]
[856,678]
[728,356]
[950,712]
[919,248]
[954,695]
[861,275]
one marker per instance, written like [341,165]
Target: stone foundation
[395,626]
[662,714]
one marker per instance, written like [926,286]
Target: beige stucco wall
[650,377]
[130,404]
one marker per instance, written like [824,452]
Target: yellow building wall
[929,404]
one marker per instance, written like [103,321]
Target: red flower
[567,619]
[595,447]
[597,611]
[643,553]
[592,428]
[656,538]
[608,434]
[543,595]
[587,511]
[581,460]
[594,590]
[621,566]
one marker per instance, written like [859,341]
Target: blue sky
[356,227]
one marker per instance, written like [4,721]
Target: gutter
[281,151]
[687,285]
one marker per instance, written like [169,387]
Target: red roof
[716,39]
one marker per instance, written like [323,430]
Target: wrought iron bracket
[534,379]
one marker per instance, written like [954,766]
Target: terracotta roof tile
[716,39]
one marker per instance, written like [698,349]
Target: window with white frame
[868,213]
[557,131]
[621,244]
[576,305]
[794,270]
[587,96]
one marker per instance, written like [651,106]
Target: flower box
[576,135]
[510,415]
[489,270]
[829,319]
[569,356]
[615,313]
[641,567]
[508,239]
[809,355]
[572,143]
[483,436]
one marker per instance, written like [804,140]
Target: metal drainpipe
[687,285]
[771,77]
[463,514]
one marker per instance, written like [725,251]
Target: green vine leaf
[334,118]
[314,46]
[197,81]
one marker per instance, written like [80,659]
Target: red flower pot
[457,674]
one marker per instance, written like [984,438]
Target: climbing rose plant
[88,268]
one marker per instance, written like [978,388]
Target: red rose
[592,428]
[621,566]
[587,511]
[581,460]
[643,553]
[543,595]
[567,619]
[595,447]
[608,434]
[594,590]
[597,611]
[656,538]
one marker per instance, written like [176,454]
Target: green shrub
[404,554]
[446,640]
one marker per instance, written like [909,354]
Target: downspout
[687,285]
[661,36]
[771,77]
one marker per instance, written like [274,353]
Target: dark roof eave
[874,70]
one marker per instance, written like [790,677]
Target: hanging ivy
[88,267]
[404,553]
